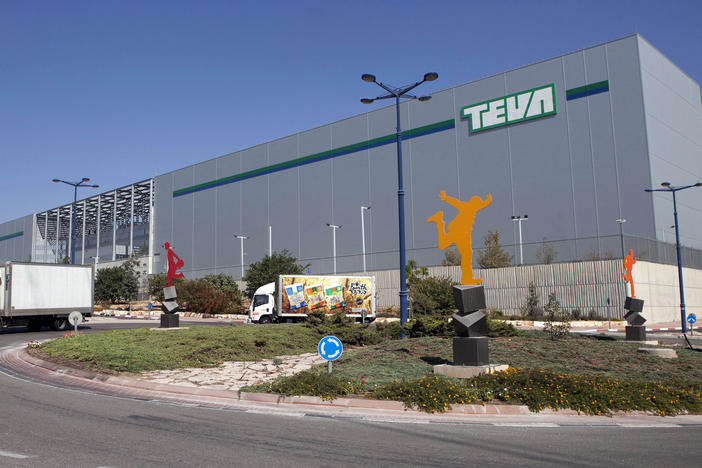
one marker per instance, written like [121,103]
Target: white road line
[5,453]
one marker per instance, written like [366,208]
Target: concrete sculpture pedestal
[635,331]
[169,319]
[471,355]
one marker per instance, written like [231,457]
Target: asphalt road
[44,426]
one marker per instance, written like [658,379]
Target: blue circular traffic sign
[330,348]
[691,318]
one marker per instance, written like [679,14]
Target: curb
[338,403]
[622,330]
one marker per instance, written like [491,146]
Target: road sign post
[691,319]
[74,318]
[330,349]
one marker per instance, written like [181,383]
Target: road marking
[5,453]
[526,424]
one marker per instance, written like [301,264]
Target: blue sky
[120,91]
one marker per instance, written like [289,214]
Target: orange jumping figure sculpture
[629,261]
[459,230]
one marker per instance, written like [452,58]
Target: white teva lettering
[473,113]
[505,110]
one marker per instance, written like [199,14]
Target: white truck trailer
[292,297]
[40,294]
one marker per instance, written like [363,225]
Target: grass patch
[144,349]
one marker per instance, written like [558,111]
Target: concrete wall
[581,285]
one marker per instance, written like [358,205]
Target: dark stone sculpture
[470,347]
[169,319]
[635,331]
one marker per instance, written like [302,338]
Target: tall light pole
[241,238]
[669,188]
[363,236]
[397,93]
[75,186]
[621,221]
[519,219]
[334,228]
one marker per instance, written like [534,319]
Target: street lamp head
[424,98]
[86,179]
[56,180]
[94,186]
[431,76]
[366,100]
[698,184]
[526,216]
[665,184]
[368,78]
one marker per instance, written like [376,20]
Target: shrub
[430,393]
[343,327]
[316,384]
[543,389]
[267,270]
[199,296]
[498,328]
[429,326]
[157,282]
[557,323]
[388,330]
[493,256]
[531,308]
[116,284]
[432,296]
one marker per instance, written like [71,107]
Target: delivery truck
[44,294]
[292,297]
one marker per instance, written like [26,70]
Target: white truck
[44,294]
[292,297]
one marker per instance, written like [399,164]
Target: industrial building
[571,141]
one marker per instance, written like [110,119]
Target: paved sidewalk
[17,362]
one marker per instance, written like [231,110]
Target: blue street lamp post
[397,93]
[668,188]
[75,186]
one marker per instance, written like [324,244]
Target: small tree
[130,281]
[116,284]
[546,253]
[531,307]
[557,323]
[451,257]
[267,270]
[494,255]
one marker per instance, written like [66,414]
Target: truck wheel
[34,325]
[265,319]
[59,324]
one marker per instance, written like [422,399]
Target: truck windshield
[260,299]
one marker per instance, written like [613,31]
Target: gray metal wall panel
[228,218]
[630,128]
[316,208]
[205,219]
[183,221]
[163,217]
[284,212]
[18,249]
[673,120]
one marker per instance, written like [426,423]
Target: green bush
[540,389]
[498,328]
[157,282]
[223,283]
[344,328]
[116,284]
[430,393]
[557,319]
[199,296]
[429,326]
[388,330]
[268,268]
[315,384]
[432,296]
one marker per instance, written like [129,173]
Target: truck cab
[262,306]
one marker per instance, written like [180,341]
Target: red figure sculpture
[174,264]
[629,261]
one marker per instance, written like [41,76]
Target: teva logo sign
[506,110]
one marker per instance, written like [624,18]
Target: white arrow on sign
[331,342]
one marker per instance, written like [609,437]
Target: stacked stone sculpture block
[169,319]
[470,347]
[635,331]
